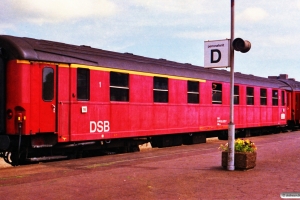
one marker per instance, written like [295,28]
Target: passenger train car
[59,100]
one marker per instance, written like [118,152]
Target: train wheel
[12,158]
[223,135]
[248,133]
[7,157]
[177,140]
[162,141]
[134,148]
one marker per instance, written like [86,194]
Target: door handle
[53,108]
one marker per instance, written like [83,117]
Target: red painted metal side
[293,102]
[35,91]
[24,94]
[141,117]
[63,103]
[296,105]
[99,118]
[18,95]
[289,105]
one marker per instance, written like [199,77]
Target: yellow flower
[240,145]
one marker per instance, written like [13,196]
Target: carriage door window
[250,96]
[236,95]
[48,84]
[193,91]
[160,89]
[216,93]
[83,84]
[275,97]
[282,98]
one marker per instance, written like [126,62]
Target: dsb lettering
[100,126]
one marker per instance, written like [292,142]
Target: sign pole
[231,126]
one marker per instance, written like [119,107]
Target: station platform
[183,172]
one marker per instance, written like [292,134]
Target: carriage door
[289,107]
[297,107]
[48,99]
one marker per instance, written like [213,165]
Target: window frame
[193,92]
[274,98]
[119,86]
[236,95]
[217,93]
[47,90]
[160,89]
[283,103]
[83,84]
[263,97]
[250,96]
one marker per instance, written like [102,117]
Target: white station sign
[217,53]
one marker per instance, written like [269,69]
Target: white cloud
[204,35]
[252,14]
[55,11]
[298,4]
[289,40]
[173,6]
[6,26]
[171,29]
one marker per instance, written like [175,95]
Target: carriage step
[45,158]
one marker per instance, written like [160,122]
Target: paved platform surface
[185,172]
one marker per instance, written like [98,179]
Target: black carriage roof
[42,50]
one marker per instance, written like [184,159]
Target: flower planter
[242,160]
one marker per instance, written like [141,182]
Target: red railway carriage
[292,101]
[57,97]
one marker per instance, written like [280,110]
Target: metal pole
[231,126]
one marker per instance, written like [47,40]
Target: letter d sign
[215,56]
[217,53]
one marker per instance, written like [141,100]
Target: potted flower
[244,156]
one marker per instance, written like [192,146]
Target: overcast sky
[170,29]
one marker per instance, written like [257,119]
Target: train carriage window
[263,96]
[160,89]
[275,97]
[119,86]
[236,95]
[250,96]
[282,98]
[216,93]
[193,91]
[48,84]
[83,84]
